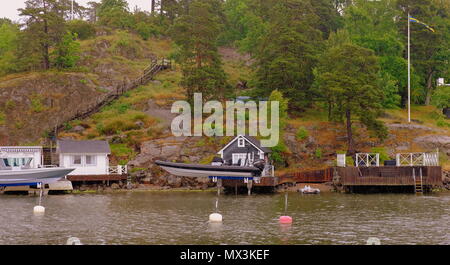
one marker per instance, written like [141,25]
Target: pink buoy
[285,220]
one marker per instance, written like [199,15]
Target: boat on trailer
[17,172]
[198,170]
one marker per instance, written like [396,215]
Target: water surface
[182,218]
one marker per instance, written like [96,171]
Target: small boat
[20,174]
[217,169]
[309,190]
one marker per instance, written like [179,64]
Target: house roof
[250,139]
[83,147]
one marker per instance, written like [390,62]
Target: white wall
[34,152]
[100,167]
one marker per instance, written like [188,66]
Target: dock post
[219,186]
[249,186]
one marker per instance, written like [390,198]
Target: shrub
[383,153]
[302,133]
[349,161]
[2,118]
[318,153]
[83,29]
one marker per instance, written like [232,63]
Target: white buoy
[39,209]
[215,217]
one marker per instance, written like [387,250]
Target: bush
[83,29]
[2,118]
[302,133]
[383,153]
[349,161]
[318,153]
[146,30]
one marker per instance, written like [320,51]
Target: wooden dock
[389,176]
[87,178]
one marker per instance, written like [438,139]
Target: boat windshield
[16,161]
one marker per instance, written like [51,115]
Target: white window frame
[72,160]
[236,156]
[94,161]
[241,142]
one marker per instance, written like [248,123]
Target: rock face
[179,149]
[435,141]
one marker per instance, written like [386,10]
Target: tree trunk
[153,6]
[351,147]
[429,88]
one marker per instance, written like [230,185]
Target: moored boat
[23,175]
[197,170]
[309,190]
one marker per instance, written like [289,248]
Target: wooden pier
[389,176]
[413,178]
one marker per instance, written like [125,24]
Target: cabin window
[90,160]
[241,142]
[76,160]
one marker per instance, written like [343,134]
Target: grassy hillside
[33,102]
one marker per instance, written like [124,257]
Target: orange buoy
[285,220]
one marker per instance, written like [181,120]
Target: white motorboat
[17,172]
[309,190]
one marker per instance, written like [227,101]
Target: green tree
[195,35]
[430,55]
[348,73]
[45,27]
[371,25]
[288,52]
[115,13]
[83,29]
[280,148]
[66,52]
[8,44]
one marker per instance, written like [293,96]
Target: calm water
[181,218]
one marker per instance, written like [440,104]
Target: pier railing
[118,170]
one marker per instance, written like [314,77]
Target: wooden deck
[309,176]
[388,176]
[111,177]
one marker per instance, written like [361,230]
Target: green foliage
[115,13]
[441,97]
[277,153]
[288,52]
[146,30]
[83,29]
[347,75]
[302,133]
[2,118]
[66,53]
[121,150]
[349,161]
[8,42]
[195,35]
[36,104]
[383,153]
[318,153]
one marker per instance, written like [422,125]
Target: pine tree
[44,27]
[288,52]
[196,36]
[348,75]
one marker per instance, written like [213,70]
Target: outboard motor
[217,161]
[260,164]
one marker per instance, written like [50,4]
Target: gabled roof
[252,140]
[83,147]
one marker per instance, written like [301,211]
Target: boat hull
[195,170]
[32,176]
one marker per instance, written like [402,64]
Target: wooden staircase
[155,67]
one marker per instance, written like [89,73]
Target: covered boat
[215,170]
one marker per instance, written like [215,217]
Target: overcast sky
[8,8]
